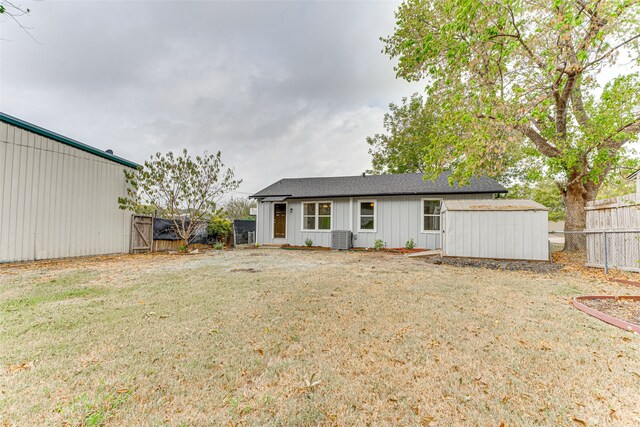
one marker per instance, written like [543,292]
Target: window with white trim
[316,216]
[366,215]
[431,215]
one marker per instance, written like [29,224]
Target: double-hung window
[316,216]
[431,215]
[367,215]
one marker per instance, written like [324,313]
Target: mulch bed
[305,248]
[324,248]
[494,264]
[389,250]
[626,282]
[620,308]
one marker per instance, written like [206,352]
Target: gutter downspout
[351,214]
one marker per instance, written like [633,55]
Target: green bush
[410,244]
[308,242]
[218,246]
[379,244]
[219,228]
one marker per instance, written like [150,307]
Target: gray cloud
[282,88]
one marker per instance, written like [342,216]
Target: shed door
[280,220]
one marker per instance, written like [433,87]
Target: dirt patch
[244,270]
[493,264]
[623,308]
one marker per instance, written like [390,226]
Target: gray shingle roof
[375,185]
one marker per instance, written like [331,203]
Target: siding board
[398,219]
[496,234]
[56,200]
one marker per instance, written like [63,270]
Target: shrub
[219,228]
[410,244]
[379,244]
[218,246]
[308,242]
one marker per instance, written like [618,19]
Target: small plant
[182,248]
[379,244]
[410,244]
[219,228]
[308,242]
[257,245]
[218,246]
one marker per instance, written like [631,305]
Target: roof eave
[65,140]
[428,193]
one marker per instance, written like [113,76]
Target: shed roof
[65,140]
[493,205]
[375,185]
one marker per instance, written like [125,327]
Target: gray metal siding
[56,200]
[496,234]
[399,218]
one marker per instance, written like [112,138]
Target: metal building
[498,228]
[58,196]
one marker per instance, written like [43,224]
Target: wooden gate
[141,233]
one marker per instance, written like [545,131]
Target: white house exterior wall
[56,200]
[398,218]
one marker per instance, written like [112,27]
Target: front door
[280,220]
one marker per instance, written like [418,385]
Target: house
[391,208]
[58,196]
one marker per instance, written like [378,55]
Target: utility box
[341,239]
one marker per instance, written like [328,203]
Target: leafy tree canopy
[545,192]
[239,207]
[181,188]
[522,76]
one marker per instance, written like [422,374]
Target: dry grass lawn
[274,337]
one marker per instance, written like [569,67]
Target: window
[367,215]
[308,216]
[316,215]
[324,216]
[431,215]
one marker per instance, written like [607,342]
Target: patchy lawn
[294,337]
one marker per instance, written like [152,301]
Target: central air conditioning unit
[341,239]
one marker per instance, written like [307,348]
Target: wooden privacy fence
[150,234]
[613,233]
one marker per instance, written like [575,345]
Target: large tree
[527,76]
[182,188]
[238,207]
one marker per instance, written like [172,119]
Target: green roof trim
[65,140]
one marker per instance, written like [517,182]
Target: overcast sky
[283,89]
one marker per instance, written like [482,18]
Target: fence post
[606,264]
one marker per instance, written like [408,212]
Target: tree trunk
[575,200]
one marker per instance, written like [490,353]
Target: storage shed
[496,228]
[58,196]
